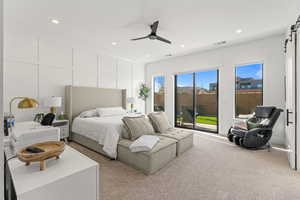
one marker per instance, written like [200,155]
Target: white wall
[269,51]
[40,68]
[1,102]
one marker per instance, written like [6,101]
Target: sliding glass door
[184,106]
[196,100]
[206,100]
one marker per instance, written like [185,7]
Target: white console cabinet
[72,177]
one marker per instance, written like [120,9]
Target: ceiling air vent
[220,43]
[168,55]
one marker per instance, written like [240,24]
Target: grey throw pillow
[125,132]
[138,126]
[160,121]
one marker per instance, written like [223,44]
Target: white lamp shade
[52,102]
[130,100]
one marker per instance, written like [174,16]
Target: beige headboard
[79,99]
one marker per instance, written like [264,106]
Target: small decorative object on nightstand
[62,116]
[64,128]
[131,101]
[46,151]
[39,117]
[137,112]
[52,103]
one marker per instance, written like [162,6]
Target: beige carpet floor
[212,169]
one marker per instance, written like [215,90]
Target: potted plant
[144,92]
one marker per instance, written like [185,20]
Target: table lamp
[131,101]
[52,103]
[23,104]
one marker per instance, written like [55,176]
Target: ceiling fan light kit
[153,35]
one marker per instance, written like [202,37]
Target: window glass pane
[184,100]
[159,93]
[206,100]
[249,88]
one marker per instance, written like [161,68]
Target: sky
[159,82]
[203,79]
[247,71]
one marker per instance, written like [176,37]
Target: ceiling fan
[153,35]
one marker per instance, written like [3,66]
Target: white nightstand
[137,113]
[64,128]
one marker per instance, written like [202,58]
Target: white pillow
[240,123]
[265,122]
[111,111]
[89,113]
[248,116]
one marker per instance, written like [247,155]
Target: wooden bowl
[52,150]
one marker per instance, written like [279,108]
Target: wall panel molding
[20,80]
[56,65]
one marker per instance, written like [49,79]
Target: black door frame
[194,104]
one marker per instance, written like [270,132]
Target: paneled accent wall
[37,68]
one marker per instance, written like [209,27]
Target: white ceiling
[195,23]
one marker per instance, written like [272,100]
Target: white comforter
[105,130]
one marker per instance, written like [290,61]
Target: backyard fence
[207,105]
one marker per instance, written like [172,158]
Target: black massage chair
[256,138]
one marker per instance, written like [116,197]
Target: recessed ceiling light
[114,43]
[239,31]
[55,21]
[182,46]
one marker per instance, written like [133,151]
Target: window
[159,93]
[196,100]
[249,88]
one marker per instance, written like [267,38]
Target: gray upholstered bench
[184,139]
[148,162]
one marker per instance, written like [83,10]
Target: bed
[97,133]
[104,130]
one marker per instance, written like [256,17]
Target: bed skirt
[89,143]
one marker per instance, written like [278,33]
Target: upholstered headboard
[79,99]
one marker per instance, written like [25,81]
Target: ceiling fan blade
[141,38]
[154,27]
[163,39]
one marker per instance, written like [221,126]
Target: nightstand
[139,113]
[135,112]
[64,128]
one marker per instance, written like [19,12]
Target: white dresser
[72,177]
[30,132]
